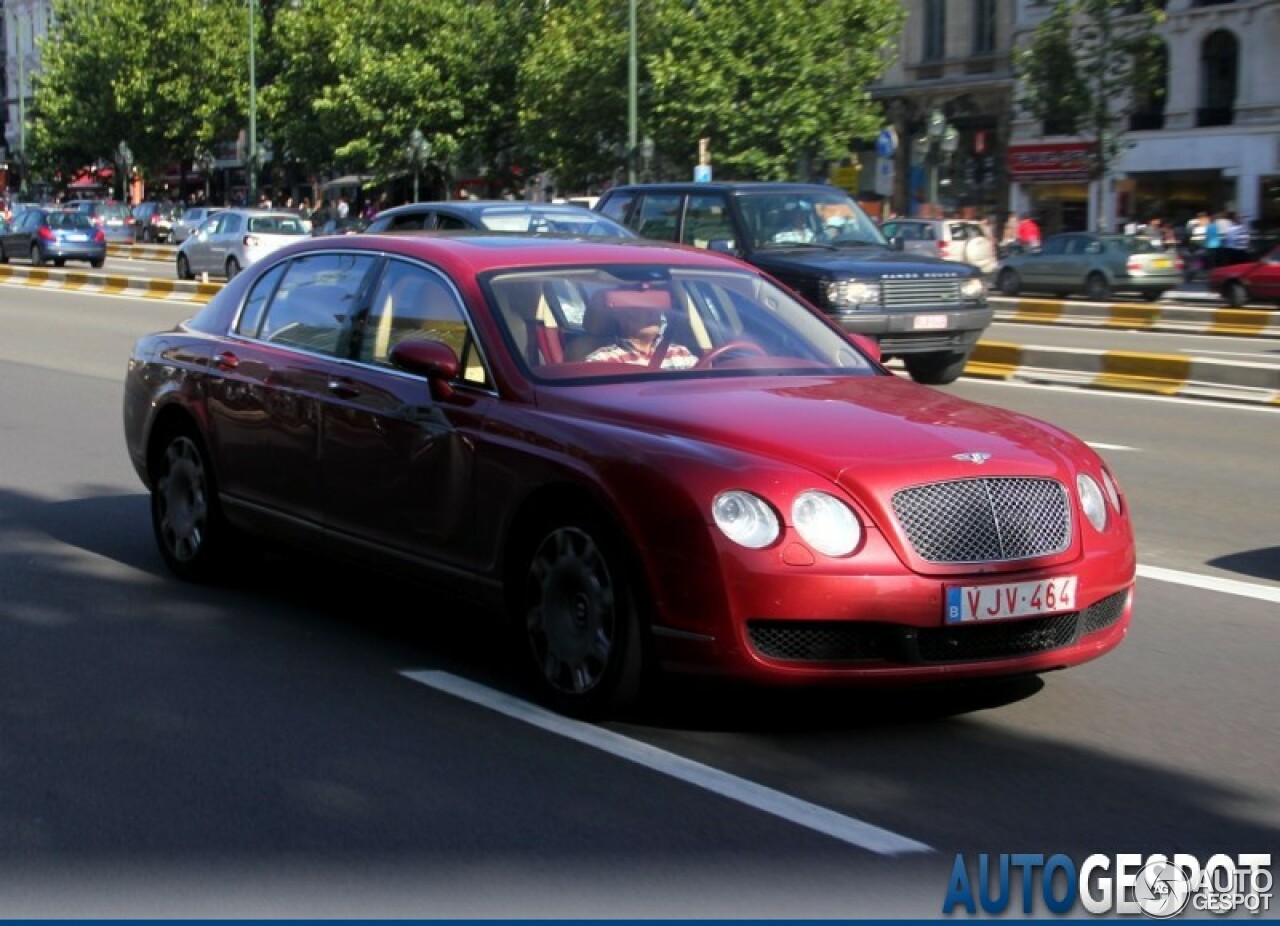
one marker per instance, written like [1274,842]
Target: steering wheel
[710,358]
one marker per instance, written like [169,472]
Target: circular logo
[1162,890]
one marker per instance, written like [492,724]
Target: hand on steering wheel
[710,358]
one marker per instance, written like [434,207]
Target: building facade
[1209,142]
[23,23]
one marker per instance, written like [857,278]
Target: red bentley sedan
[649,456]
[1254,281]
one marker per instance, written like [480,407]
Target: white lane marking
[1097,445]
[1211,583]
[802,813]
[1113,394]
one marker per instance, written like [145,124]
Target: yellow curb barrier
[1163,374]
[1138,316]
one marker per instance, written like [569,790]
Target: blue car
[53,236]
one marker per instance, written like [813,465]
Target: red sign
[1057,161]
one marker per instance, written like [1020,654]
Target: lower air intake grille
[857,641]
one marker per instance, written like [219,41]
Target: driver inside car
[639,316]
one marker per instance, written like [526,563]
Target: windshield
[577,323]
[817,219]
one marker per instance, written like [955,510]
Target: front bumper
[917,331]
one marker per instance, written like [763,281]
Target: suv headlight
[973,289]
[851,294]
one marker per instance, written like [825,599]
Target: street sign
[887,142]
[884,176]
[702,173]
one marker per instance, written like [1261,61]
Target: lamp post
[646,157]
[252,155]
[124,156]
[941,139]
[22,102]
[632,80]
[419,151]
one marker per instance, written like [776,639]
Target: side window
[414,302]
[251,315]
[659,216]
[317,304]
[707,220]
[616,206]
[413,222]
[449,223]
[1054,246]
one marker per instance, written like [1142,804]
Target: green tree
[1089,66]
[773,83]
[154,75]
[356,79]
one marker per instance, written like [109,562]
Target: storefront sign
[1056,161]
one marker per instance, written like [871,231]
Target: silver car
[951,239]
[234,238]
[188,219]
[1093,265]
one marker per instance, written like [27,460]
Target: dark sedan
[499,215]
[53,235]
[648,456]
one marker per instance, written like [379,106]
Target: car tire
[1236,295]
[193,536]
[1008,282]
[936,369]
[1096,288]
[37,259]
[1153,295]
[184,268]
[59,261]
[233,268]
[97,263]
[4,257]
[574,607]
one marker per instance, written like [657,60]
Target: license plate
[77,237]
[929,322]
[970,603]
[1162,263]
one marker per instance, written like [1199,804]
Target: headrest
[614,299]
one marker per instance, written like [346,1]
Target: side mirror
[433,359]
[722,246]
[898,243]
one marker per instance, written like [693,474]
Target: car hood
[848,429]
[862,262]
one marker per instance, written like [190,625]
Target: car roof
[738,186]
[475,251]
[480,205]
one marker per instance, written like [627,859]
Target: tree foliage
[491,83]
[154,75]
[770,82]
[1089,66]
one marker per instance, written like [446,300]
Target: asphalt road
[298,743]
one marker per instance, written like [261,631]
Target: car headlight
[973,289]
[745,519]
[1091,500]
[826,523]
[1113,491]
[851,294]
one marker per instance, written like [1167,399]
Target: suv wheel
[937,369]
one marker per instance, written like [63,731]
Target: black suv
[816,240]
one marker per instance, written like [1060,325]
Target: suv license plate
[969,603]
[929,322]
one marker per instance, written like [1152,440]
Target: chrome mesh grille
[985,520]
[913,294]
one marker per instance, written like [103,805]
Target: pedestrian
[1235,243]
[1029,234]
[1009,236]
[1212,243]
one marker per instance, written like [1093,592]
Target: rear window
[276,225]
[69,220]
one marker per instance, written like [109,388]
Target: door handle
[343,388]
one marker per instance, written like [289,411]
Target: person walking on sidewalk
[1212,243]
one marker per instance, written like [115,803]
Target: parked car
[1254,281]
[818,241]
[53,235]
[187,219]
[499,215]
[719,480]
[114,218]
[233,239]
[153,221]
[1093,265]
[950,239]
